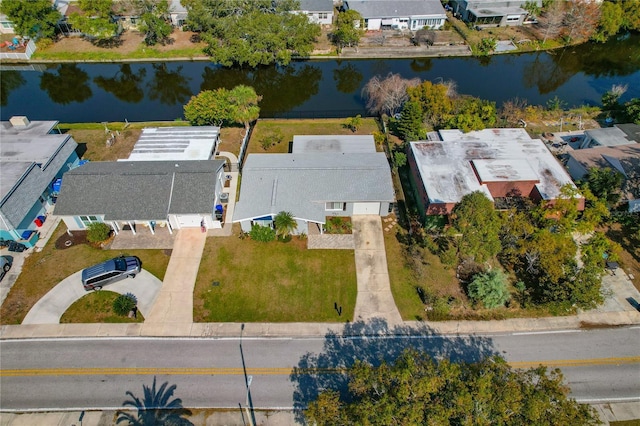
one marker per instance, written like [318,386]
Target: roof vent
[19,121]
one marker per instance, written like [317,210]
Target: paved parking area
[50,308]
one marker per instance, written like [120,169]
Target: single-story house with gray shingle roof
[618,135]
[32,156]
[399,14]
[313,183]
[176,194]
[625,159]
[318,11]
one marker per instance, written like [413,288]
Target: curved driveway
[50,308]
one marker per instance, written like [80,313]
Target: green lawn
[45,269]
[405,274]
[96,307]
[273,282]
[289,128]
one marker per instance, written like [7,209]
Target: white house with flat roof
[497,162]
[176,144]
[324,176]
[33,155]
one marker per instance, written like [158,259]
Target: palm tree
[285,224]
[156,408]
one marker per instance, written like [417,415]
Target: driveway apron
[374,290]
[173,309]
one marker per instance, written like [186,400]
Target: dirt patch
[127,43]
[101,145]
[65,240]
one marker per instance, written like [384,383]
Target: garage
[188,220]
[366,208]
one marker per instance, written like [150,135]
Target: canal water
[316,88]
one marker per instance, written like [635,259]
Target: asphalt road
[42,374]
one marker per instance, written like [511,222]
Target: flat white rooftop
[511,170]
[22,146]
[448,167]
[332,143]
[175,144]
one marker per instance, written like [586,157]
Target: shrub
[271,139]
[263,234]
[124,303]
[97,232]
[490,288]
[352,123]
[44,43]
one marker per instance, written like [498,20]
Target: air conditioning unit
[19,121]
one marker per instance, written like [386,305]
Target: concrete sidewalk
[608,413]
[227,329]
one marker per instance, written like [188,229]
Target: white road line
[528,333]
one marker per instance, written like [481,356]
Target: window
[6,24]
[335,206]
[324,15]
[513,18]
[87,220]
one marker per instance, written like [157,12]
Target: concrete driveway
[50,308]
[374,289]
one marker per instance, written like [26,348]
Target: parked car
[97,276]
[5,264]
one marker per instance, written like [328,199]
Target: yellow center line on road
[214,371]
[577,362]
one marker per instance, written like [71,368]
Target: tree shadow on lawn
[373,342]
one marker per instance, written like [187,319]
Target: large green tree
[214,107]
[33,18]
[632,110]
[604,183]
[155,23]
[244,105]
[630,14]
[209,107]
[95,20]
[348,29]
[416,390]
[252,32]
[410,122]
[435,101]
[477,225]
[611,20]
